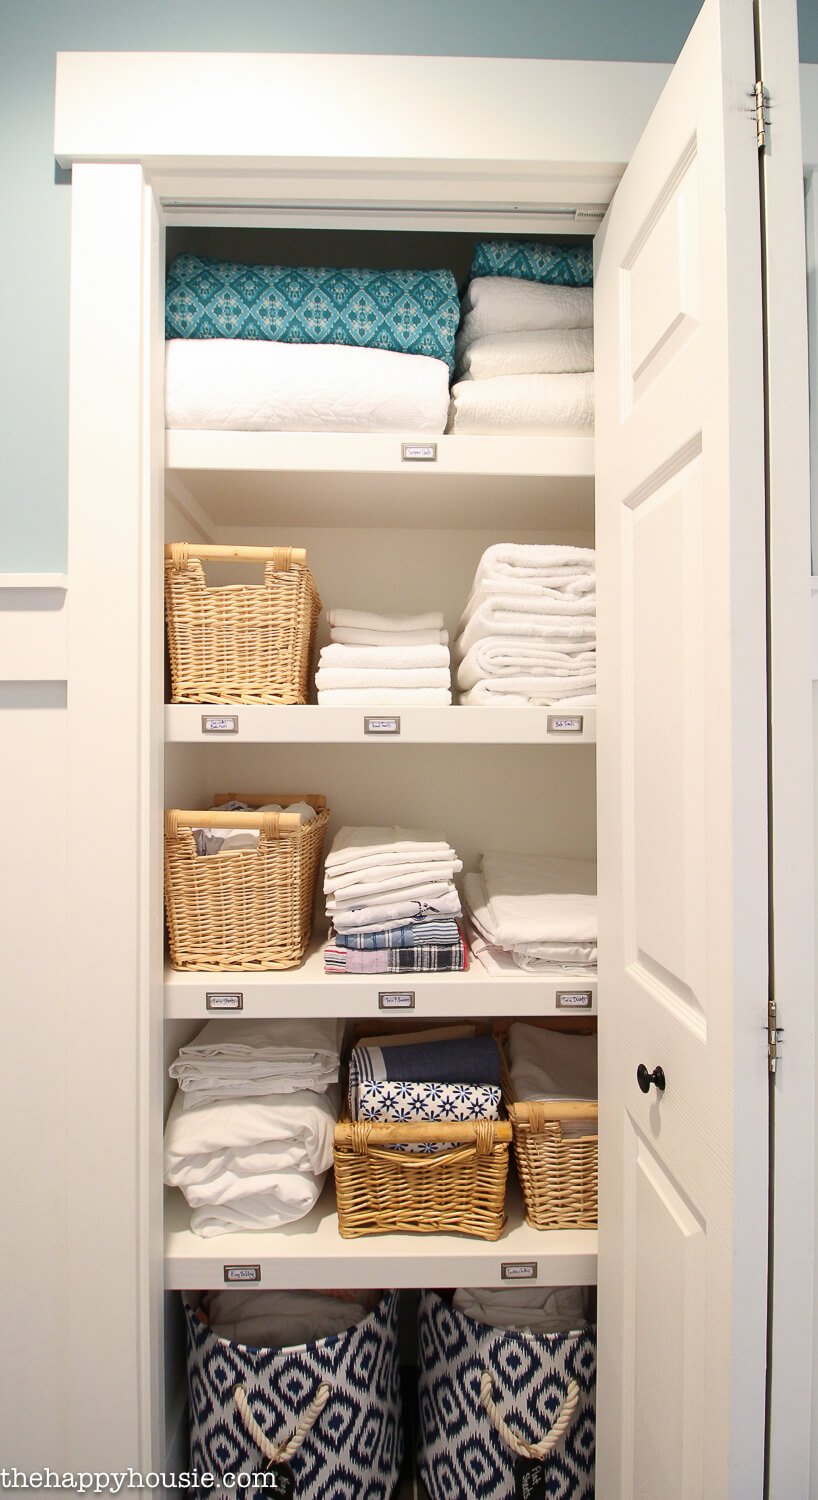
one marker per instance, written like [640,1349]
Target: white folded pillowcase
[523,405]
[505,304]
[532,351]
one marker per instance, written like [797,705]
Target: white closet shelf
[309,724]
[309,991]
[308,479]
[311,1253]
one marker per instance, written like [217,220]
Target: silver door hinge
[774,1032]
[762,99]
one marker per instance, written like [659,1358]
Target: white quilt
[245,385]
[533,351]
[506,304]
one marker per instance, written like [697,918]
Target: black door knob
[645,1079]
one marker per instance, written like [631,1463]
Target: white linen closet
[695,476]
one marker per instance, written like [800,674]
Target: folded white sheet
[265,1057]
[443,901]
[547,351]
[283,1320]
[523,405]
[543,1309]
[295,1194]
[551,1064]
[379,861]
[350,891]
[236,1141]
[359,619]
[502,657]
[250,385]
[538,692]
[344,635]
[352,842]
[506,304]
[382,677]
[378,658]
[387,892]
[565,960]
[382,697]
[536,898]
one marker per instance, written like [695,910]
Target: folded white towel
[551,1064]
[377,658]
[295,1194]
[511,692]
[547,351]
[358,619]
[348,636]
[505,304]
[382,677]
[491,621]
[259,385]
[536,898]
[523,607]
[523,405]
[542,1310]
[569,569]
[382,697]
[500,657]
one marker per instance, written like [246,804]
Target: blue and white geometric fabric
[410,312]
[461,1454]
[535,260]
[355,1447]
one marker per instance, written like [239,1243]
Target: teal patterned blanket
[410,312]
[534,260]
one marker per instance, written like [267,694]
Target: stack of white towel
[528,631]
[384,659]
[534,911]
[525,359]
[250,1132]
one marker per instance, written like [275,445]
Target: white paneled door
[682,791]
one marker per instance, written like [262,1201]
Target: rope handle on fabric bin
[282,558]
[271,825]
[487,1133]
[512,1439]
[281,1453]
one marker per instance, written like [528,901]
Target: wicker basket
[382,1191]
[558,1173]
[251,909]
[244,643]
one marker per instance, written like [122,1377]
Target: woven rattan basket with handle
[245,643]
[382,1191]
[250,909]
[558,1173]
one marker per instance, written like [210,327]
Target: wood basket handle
[362,1135]
[271,825]
[282,558]
[539,1112]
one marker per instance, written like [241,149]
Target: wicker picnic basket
[251,909]
[245,643]
[558,1173]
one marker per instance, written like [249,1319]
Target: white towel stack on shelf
[533,911]
[386,660]
[528,631]
[525,359]
[250,1132]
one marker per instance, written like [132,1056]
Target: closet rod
[575,215]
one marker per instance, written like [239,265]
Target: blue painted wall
[35,212]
